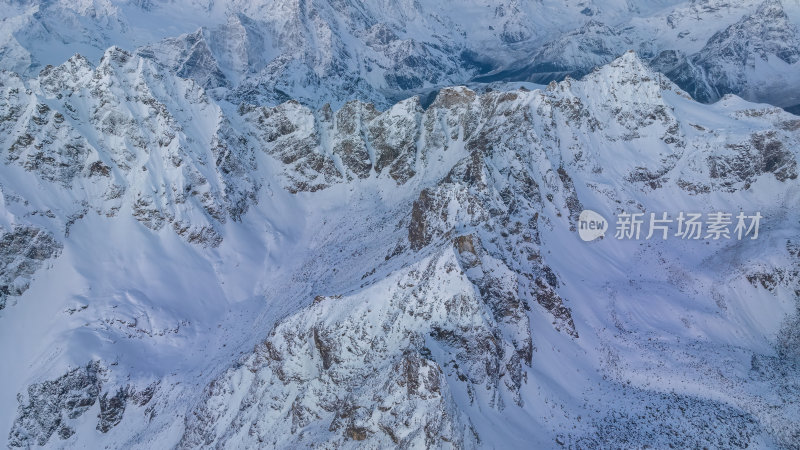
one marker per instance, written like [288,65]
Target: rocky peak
[745,58]
[437,338]
[627,79]
[767,31]
[139,118]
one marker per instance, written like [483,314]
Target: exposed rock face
[212,170]
[786,277]
[393,137]
[23,251]
[354,143]
[746,161]
[54,406]
[315,376]
[111,409]
[191,57]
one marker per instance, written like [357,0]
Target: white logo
[591,225]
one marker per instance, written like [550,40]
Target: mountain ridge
[464,211]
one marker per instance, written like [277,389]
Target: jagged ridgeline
[247,276]
[266,52]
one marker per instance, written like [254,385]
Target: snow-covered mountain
[320,51]
[181,270]
[756,58]
[709,49]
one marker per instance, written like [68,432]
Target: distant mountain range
[321,52]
